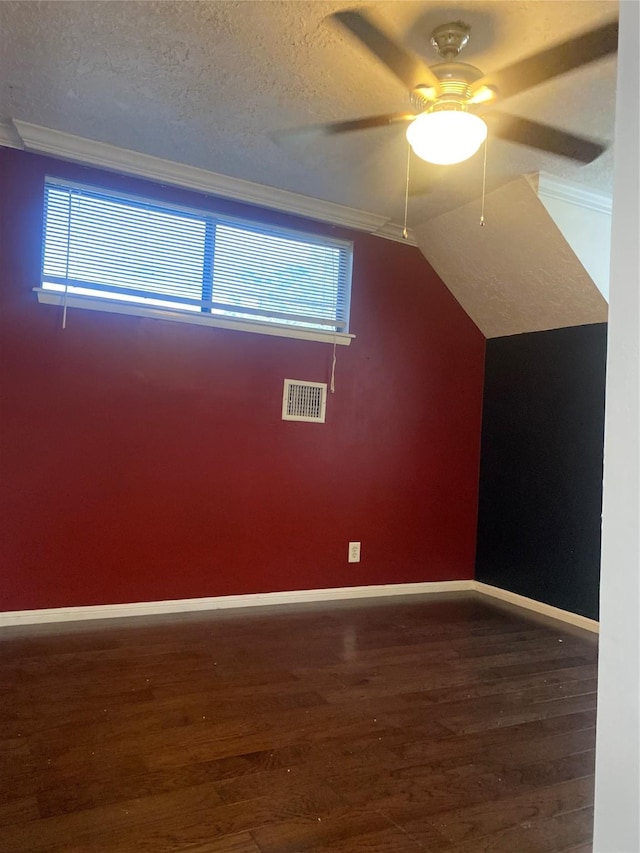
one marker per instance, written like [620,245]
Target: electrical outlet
[354,552]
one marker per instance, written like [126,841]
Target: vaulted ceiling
[213,84]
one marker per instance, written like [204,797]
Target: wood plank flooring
[417,724]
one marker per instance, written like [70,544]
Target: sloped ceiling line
[517,273]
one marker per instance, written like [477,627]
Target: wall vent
[304,401]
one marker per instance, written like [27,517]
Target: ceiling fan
[452,100]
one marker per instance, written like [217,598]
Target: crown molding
[9,136]
[393,231]
[551,187]
[67,146]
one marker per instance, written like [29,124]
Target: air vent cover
[304,401]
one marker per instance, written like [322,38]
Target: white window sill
[114,306]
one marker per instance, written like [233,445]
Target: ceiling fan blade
[543,136]
[406,67]
[553,61]
[332,128]
[367,123]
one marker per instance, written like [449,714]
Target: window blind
[111,246]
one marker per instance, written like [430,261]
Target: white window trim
[262,327]
[114,306]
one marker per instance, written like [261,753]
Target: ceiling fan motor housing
[456,79]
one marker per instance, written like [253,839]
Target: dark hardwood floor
[415,724]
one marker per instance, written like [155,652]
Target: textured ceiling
[517,273]
[210,83]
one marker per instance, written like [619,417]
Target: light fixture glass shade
[446,136]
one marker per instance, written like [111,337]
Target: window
[115,252]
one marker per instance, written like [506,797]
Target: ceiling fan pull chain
[484,180]
[405,233]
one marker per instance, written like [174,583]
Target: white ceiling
[211,83]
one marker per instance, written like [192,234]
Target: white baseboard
[300,596]
[537,606]
[260,599]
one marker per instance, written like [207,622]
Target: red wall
[143,459]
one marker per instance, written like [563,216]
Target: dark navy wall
[541,466]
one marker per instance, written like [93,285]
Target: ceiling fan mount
[449,39]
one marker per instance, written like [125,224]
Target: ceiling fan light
[444,137]
[483,95]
